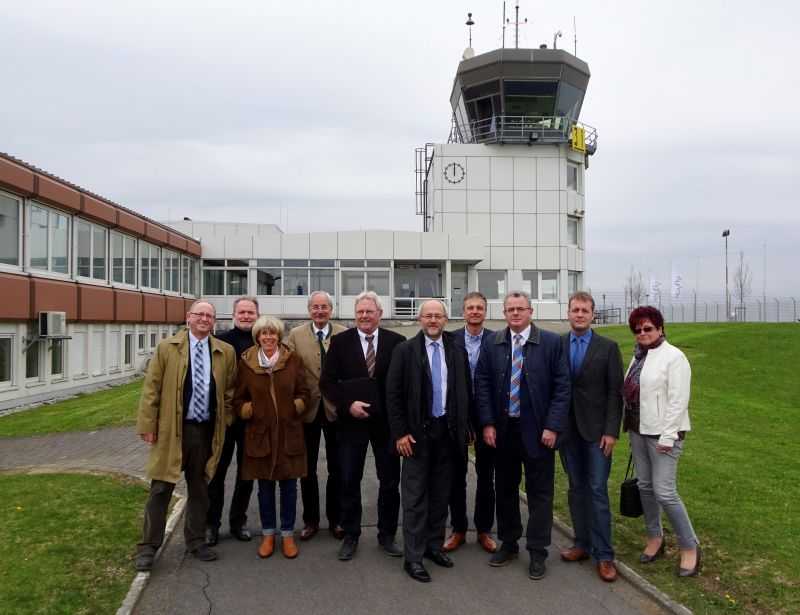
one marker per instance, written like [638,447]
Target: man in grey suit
[595,415]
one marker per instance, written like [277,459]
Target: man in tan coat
[184,409]
[311,341]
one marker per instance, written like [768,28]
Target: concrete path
[316,583]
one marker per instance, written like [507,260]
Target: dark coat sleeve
[484,388]
[396,387]
[332,375]
[558,412]
[614,383]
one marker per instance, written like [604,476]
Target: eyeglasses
[646,329]
[203,315]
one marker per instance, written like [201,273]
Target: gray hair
[369,295]
[199,301]
[516,294]
[270,324]
[252,300]
[421,305]
[324,293]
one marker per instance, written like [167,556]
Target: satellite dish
[469,52]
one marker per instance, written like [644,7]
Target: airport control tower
[513,175]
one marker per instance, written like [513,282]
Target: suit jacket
[303,340]
[596,405]
[546,375]
[409,390]
[345,361]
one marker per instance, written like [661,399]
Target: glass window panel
[572,231]
[57,358]
[208,262]
[6,347]
[382,264]
[572,177]
[378,281]
[323,279]
[84,248]
[238,263]
[9,231]
[117,258]
[129,349]
[60,253]
[144,274]
[129,245]
[295,263]
[352,263]
[352,282]
[153,338]
[268,262]
[268,282]
[141,341]
[323,263]
[32,360]
[38,238]
[295,282]
[549,285]
[237,282]
[185,271]
[99,253]
[213,282]
[492,284]
[572,281]
[155,267]
[530,283]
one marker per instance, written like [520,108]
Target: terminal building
[89,287]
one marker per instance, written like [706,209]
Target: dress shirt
[578,344]
[326,331]
[429,349]
[525,333]
[363,337]
[473,345]
[203,344]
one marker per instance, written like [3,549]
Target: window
[572,230]
[237,282]
[378,282]
[530,283]
[152,340]
[57,358]
[149,265]
[268,281]
[544,284]
[128,350]
[189,271]
[123,259]
[295,262]
[224,281]
[9,230]
[492,284]
[323,279]
[573,282]
[171,271]
[295,282]
[352,282]
[345,264]
[49,240]
[141,342]
[214,282]
[32,359]
[91,248]
[113,350]
[6,359]
[572,177]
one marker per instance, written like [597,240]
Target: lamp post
[725,234]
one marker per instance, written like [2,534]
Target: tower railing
[522,129]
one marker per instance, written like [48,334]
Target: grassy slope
[739,474]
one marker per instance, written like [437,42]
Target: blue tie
[516,377]
[436,380]
[577,356]
[199,408]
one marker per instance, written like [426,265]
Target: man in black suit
[428,403]
[472,338]
[355,369]
[595,415]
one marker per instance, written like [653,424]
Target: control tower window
[569,101]
[530,98]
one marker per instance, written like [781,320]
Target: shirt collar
[469,336]
[193,341]
[429,341]
[325,330]
[525,333]
[363,335]
[587,337]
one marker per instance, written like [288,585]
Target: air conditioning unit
[52,324]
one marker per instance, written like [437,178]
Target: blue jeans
[266,505]
[587,469]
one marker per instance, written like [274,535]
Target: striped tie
[199,408]
[516,377]
[370,355]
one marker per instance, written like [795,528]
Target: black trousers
[309,486]
[237,516]
[484,492]
[425,491]
[539,475]
[353,442]
[195,451]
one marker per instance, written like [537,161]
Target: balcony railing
[522,129]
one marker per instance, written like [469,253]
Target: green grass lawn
[739,474]
[109,408]
[67,542]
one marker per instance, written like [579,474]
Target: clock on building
[454,173]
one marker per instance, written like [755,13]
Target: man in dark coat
[354,381]
[428,403]
[522,392]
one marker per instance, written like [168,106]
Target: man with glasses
[312,341]
[522,391]
[245,313]
[183,412]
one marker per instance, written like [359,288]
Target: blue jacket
[546,374]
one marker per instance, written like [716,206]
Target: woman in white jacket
[656,391]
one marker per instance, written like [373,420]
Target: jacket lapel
[591,352]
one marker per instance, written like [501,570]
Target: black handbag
[630,502]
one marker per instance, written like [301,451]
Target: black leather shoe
[503,556]
[390,547]
[212,536]
[536,569]
[417,572]
[649,559]
[203,553]
[348,548]
[144,561]
[241,533]
[440,558]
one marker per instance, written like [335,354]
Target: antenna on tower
[517,23]
[504,25]
[557,36]
[469,24]
[575,35]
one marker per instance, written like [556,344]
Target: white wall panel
[547,201]
[502,230]
[295,245]
[547,173]
[547,258]
[479,201]
[524,257]
[352,244]
[524,229]
[465,247]
[524,173]
[502,173]
[525,201]
[502,258]
[322,245]
[454,200]
[380,244]
[478,173]
[547,229]
[455,223]
[434,246]
[407,245]
[479,225]
[502,201]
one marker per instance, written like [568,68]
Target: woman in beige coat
[272,396]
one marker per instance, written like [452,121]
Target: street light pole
[725,234]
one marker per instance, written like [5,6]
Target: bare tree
[634,288]
[742,280]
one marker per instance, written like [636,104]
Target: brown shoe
[454,542]
[607,570]
[574,554]
[267,546]
[289,547]
[337,532]
[309,531]
[486,541]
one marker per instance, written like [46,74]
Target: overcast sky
[251,109]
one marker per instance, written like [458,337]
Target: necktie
[576,349]
[199,403]
[370,355]
[516,377]
[320,337]
[436,380]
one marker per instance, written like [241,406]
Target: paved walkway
[316,583]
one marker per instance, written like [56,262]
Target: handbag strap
[630,463]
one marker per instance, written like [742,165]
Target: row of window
[540,285]
[100,254]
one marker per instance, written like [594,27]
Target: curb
[140,580]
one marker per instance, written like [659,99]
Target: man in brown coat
[184,409]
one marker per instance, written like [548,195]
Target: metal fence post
[777,309]
[794,310]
